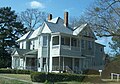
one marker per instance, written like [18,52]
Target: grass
[8,81]
[18,76]
[89,79]
[73,82]
[15,79]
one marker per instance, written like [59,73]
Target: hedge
[55,77]
[14,71]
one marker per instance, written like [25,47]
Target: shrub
[14,71]
[90,72]
[55,77]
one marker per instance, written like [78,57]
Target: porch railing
[61,68]
[33,68]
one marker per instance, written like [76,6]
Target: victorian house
[55,46]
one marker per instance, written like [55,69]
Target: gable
[16,53]
[46,29]
[87,32]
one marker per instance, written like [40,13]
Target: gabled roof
[79,29]
[27,35]
[20,51]
[57,25]
[36,33]
[53,26]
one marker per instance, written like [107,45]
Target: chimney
[66,19]
[49,17]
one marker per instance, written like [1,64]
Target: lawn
[18,76]
[15,79]
[25,79]
[9,81]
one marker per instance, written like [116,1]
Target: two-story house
[55,46]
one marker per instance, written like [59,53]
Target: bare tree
[104,17]
[77,21]
[32,18]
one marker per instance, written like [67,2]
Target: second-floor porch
[64,43]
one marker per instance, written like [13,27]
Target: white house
[55,46]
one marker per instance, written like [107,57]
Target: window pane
[56,40]
[74,42]
[82,43]
[62,41]
[44,40]
[89,44]
[65,41]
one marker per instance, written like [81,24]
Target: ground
[25,79]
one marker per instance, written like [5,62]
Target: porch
[67,64]
[26,61]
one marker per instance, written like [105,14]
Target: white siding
[34,44]
[23,45]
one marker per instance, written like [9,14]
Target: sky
[56,8]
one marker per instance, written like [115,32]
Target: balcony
[61,45]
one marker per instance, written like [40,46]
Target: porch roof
[32,52]
[20,52]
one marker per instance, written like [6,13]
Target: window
[101,49]
[44,40]
[44,62]
[74,42]
[82,43]
[22,45]
[62,41]
[56,40]
[89,45]
[33,44]
[39,41]
[39,62]
[65,41]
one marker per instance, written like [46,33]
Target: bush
[55,77]
[14,71]
[91,72]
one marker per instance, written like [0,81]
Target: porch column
[19,63]
[59,64]
[70,43]
[80,64]
[59,39]
[63,64]
[73,63]
[91,63]
[41,63]
[24,63]
[12,63]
